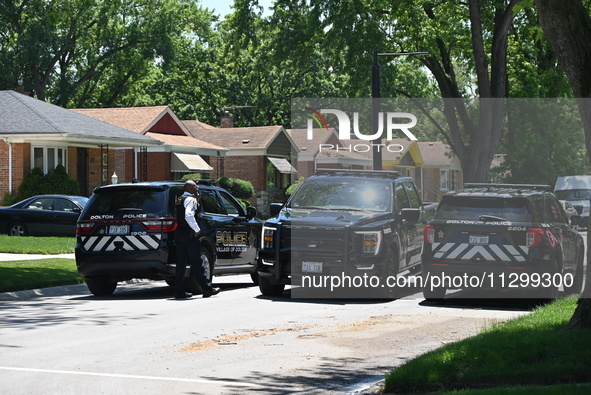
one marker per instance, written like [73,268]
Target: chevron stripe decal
[478,253]
[121,243]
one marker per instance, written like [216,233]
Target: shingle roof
[234,138]
[136,119]
[435,153]
[189,141]
[300,138]
[25,115]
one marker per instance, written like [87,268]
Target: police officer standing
[188,245]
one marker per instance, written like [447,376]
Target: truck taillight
[533,237]
[429,234]
[161,225]
[84,228]
[267,241]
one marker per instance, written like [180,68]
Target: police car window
[554,211]
[210,202]
[473,208]
[401,197]
[229,205]
[119,202]
[411,191]
[539,210]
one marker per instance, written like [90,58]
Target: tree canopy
[93,53]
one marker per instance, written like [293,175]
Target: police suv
[357,228]
[499,240]
[126,231]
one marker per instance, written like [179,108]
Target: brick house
[442,170]
[179,154]
[323,151]
[34,133]
[261,155]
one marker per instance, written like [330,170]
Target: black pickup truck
[343,234]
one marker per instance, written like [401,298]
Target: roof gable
[23,115]
[159,119]
[259,137]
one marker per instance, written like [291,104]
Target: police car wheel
[269,289]
[191,283]
[577,284]
[255,277]
[100,286]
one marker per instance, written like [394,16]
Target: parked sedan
[42,215]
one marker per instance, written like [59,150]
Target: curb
[62,290]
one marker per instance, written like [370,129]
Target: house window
[48,158]
[443,180]
[272,178]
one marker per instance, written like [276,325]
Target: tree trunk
[567,26]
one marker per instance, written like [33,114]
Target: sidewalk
[4,256]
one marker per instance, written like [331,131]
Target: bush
[240,189]
[289,190]
[9,199]
[191,176]
[37,183]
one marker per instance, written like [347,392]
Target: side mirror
[251,212]
[275,208]
[411,214]
[577,220]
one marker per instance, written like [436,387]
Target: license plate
[478,240]
[118,229]
[312,267]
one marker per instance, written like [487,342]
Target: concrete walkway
[23,257]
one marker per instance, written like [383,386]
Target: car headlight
[370,242]
[267,241]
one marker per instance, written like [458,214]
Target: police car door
[214,222]
[239,236]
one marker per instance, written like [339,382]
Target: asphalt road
[142,341]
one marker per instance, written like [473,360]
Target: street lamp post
[376,95]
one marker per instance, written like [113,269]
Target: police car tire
[269,289]
[392,271]
[254,276]
[577,285]
[191,283]
[100,286]
[434,295]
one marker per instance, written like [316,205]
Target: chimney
[227,120]
[20,88]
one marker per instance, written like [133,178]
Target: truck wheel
[191,283]
[393,292]
[269,289]
[100,286]
[254,276]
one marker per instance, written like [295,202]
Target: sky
[223,7]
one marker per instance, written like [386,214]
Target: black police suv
[126,231]
[502,240]
[341,234]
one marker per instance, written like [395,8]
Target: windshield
[483,209]
[573,194]
[342,194]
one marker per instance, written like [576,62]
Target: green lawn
[37,245]
[533,350]
[40,273]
